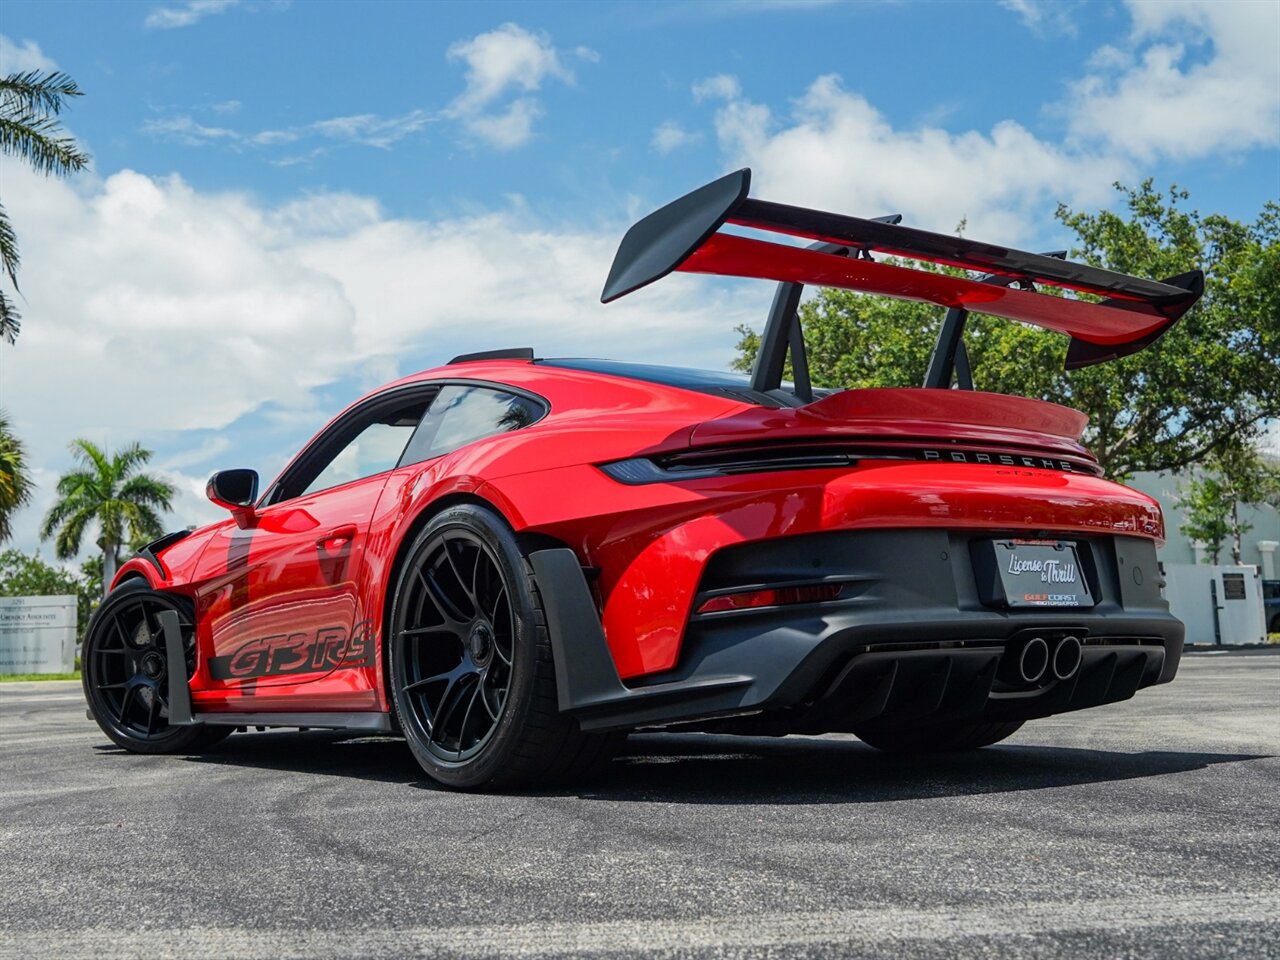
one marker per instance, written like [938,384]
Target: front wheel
[469,661]
[125,672]
[940,738]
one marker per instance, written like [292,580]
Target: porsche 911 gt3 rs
[515,560]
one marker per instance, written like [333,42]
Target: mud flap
[176,668]
[587,682]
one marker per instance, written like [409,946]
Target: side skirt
[369,722]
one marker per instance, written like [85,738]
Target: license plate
[1041,573]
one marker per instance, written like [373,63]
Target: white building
[1259,545]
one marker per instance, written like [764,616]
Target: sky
[293,202]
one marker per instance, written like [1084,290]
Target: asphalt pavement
[1149,828]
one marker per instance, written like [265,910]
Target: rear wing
[685,236]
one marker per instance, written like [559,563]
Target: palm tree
[15,482]
[29,129]
[111,493]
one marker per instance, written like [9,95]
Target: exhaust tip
[1033,660]
[1066,658]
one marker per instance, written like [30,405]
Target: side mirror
[234,490]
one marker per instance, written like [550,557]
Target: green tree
[30,130]
[91,577]
[111,493]
[1234,476]
[15,480]
[1214,378]
[29,576]
[1206,507]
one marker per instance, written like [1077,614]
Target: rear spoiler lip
[907,414]
[683,236]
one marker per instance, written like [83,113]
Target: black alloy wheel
[469,661]
[124,671]
[458,630]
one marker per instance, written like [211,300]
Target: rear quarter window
[462,414]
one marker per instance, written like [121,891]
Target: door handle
[337,539]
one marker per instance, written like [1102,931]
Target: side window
[375,447]
[462,414]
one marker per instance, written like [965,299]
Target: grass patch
[14,677]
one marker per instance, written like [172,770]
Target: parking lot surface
[1147,828]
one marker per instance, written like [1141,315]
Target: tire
[470,665]
[940,738]
[124,672]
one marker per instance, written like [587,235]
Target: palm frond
[34,91]
[144,523]
[10,320]
[16,488]
[67,544]
[70,502]
[81,484]
[149,491]
[90,454]
[9,258]
[33,138]
[125,460]
[110,492]
[15,485]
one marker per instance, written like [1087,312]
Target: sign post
[37,634]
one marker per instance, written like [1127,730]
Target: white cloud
[509,56]
[1044,17]
[1198,77]
[723,86]
[507,59]
[508,129]
[169,18]
[669,136]
[836,151]
[156,311]
[187,131]
[23,57]
[504,69]
[210,448]
[368,129]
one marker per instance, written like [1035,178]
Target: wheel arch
[135,569]
[409,533]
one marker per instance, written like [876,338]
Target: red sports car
[513,561]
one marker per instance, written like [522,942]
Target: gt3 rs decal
[329,648]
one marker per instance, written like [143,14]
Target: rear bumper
[909,641]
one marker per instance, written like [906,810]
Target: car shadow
[797,770]
[709,769]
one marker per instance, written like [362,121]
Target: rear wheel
[940,738]
[125,675]
[472,681]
